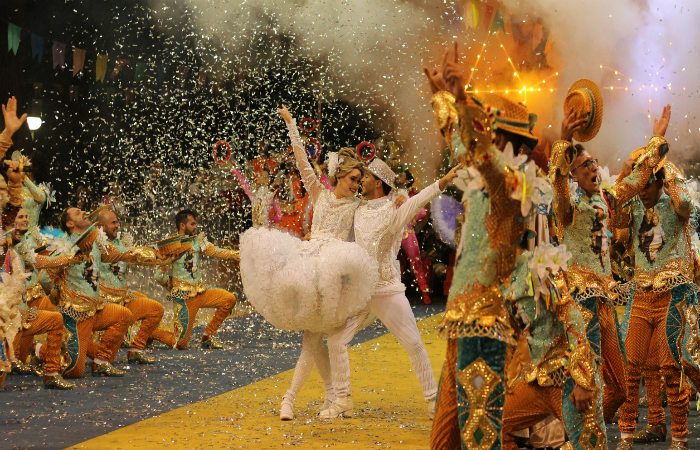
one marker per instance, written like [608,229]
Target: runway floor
[202,399]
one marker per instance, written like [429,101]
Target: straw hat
[509,116]
[382,171]
[584,96]
[93,215]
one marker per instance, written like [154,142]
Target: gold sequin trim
[183,289]
[477,313]
[478,381]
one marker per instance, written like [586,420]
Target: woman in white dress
[313,285]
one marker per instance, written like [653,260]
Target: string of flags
[58,56]
[480,15]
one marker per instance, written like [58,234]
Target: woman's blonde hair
[348,165]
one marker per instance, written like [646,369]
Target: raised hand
[661,125]
[451,175]
[454,75]
[286,115]
[571,124]
[12,122]
[437,83]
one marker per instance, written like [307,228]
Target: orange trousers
[653,382]
[220,299]
[613,368]
[114,320]
[149,312]
[22,347]
[526,405]
[48,322]
[649,313]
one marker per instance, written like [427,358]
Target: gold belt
[71,300]
[477,312]
[673,274]
[109,294]
[188,289]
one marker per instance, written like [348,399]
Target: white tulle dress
[311,285]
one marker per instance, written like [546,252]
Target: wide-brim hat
[509,116]
[585,97]
[93,215]
[381,170]
[86,239]
[170,245]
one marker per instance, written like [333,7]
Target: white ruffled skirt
[305,285]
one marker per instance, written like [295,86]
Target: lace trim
[78,316]
[479,328]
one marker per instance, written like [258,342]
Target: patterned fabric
[651,311]
[220,299]
[52,324]
[113,319]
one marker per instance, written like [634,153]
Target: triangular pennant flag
[101,68]
[486,19]
[183,74]
[59,54]
[160,74]
[498,23]
[13,36]
[120,64]
[548,44]
[475,14]
[468,15]
[542,42]
[515,25]
[78,60]
[537,34]
[139,71]
[37,46]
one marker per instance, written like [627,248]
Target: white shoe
[432,403]
[341,407]
[287,410]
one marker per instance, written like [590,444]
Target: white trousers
[395,313]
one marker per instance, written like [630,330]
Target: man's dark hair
[519,142]
[183,215]
[63,219]
[385,187]
[409,178]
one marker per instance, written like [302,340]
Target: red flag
[486,18]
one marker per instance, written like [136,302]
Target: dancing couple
[330,286]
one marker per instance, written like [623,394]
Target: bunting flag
[498,23]
[160,74]
[37,46]
[486,19]
[13,36]
[118,66]
[139,71]
[475,14]
[59,54]
[468,15]
[202,77]
[537,34]
[78,60]
[542,46]
[183,74]
[548,47]
[101,68]
[515,25]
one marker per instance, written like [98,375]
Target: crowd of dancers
[543,259]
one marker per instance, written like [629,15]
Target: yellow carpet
[389,410]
